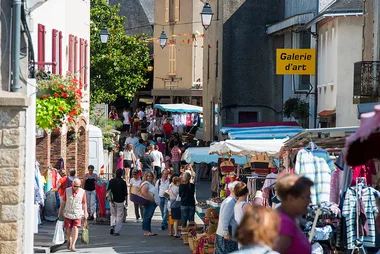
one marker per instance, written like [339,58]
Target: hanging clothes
[316,165]
[335,186]
[51,208]
[39,195]
[100,189]
[369,209]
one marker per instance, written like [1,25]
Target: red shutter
[71,45]
[54,50]
[76,54]
[86,63]
[41,46]
[81,60]
[60,53]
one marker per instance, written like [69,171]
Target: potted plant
[59,102]
[295,107]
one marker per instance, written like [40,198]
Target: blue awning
[226,130]
[270,132]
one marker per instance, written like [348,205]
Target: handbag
[109,196]
[137,198]
[59,235]
[167,194]
[85,237]
[176,203]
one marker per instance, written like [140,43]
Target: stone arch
[71,149]
[82,154]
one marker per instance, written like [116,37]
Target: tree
[119,67]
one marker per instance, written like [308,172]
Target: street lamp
[163,39]
[104,34]
[206,15]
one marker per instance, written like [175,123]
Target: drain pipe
[16,45]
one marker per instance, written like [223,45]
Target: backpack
[69,183]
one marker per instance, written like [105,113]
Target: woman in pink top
[294,193]
[176,157]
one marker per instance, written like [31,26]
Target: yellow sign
[295,61]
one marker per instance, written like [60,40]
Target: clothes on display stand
[315,163]
[100,189]
[368,211]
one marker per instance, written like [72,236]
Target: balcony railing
[366,82]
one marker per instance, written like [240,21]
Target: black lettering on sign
[294,56]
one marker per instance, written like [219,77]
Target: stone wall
[12,172]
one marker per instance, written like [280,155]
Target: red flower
[61,86]
[54,117]
[75,81]
[44,96]
[70,119]
[61,108]
[65,95]
[56,95]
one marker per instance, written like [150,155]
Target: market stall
[201,154]
[185,118]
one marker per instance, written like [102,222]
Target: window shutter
[76,55]
[172,60]
[176,11]
[54,35]
[167,11]
[86,64]
[60,53]
[81,60]
[41,46]
[71,55]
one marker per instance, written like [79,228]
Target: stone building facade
[12,171]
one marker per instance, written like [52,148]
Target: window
[71,54]
[41,46]
[305,43]
[57,52]
[217,59]
[247,117]
[171,11]
[172,60]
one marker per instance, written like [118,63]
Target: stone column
[12,171]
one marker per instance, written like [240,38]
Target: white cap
[121,153]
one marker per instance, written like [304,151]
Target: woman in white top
[241,192]
[129,161]
[175,212]
[149,192]
[136,182]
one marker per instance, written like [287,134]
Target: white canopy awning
[248,147]
[201,154]
[180,108]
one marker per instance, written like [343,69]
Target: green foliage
[110,135]
[58,101]
[296,107]
[119,67]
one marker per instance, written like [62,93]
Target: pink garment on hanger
[366,170]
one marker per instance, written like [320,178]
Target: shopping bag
[59,236]
[85,237]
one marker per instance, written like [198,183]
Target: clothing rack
[360,183]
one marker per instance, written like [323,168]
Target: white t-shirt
[141,115]
[162,186]
[128,155]
[126,117]
[135,182]
[157,156]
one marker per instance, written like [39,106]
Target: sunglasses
[76,186]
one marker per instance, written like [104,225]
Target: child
[174,211]
[138,166]
[136,181]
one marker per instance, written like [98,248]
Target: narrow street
[131,239]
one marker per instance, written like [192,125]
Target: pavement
[131,239]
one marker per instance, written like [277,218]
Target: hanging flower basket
[58,102]
[295,107]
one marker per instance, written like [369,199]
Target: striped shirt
[317,166]
[349,212]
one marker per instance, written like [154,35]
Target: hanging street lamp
[163,39]
[206,15]
[104,34]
